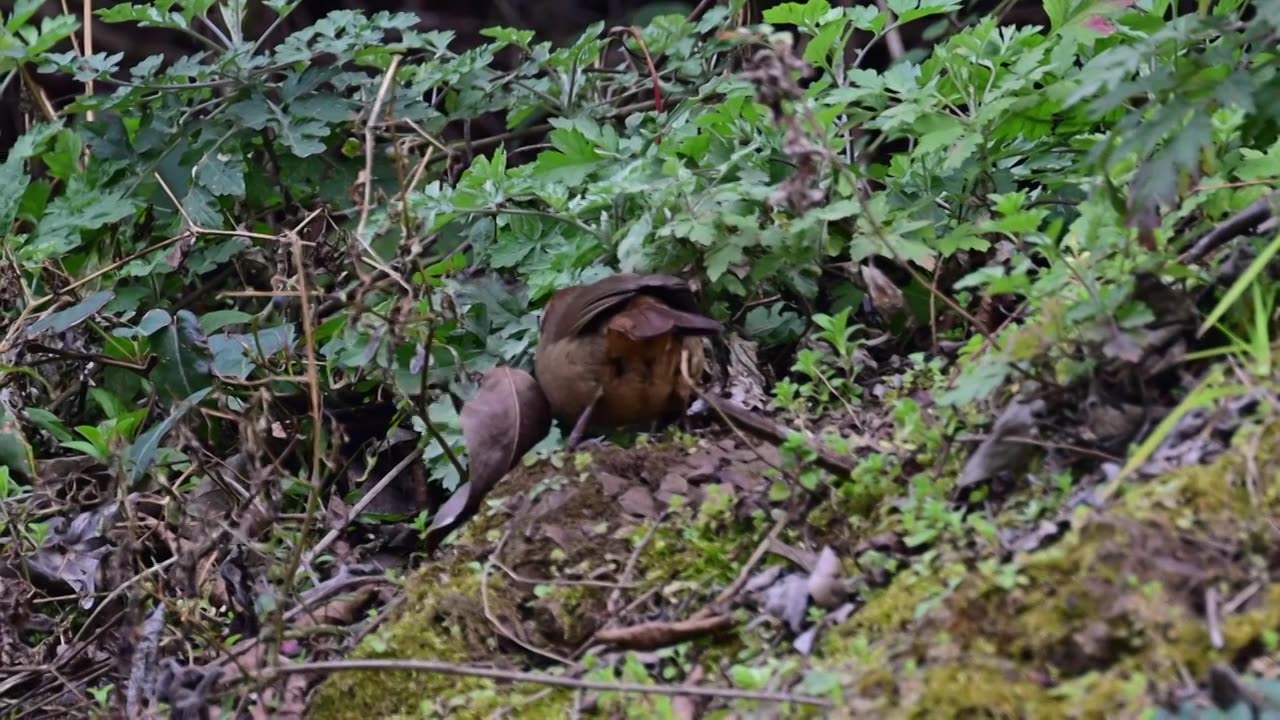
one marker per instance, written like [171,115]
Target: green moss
[578,532]
[895,607]
[1095,624]
[970,690]
[1098,621]
[442,619]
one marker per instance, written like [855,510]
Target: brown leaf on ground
[655,635]
[638,501]
[342,610]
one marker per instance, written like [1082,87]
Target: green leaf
[820,46]
[222,174]
[15,451]
[143,452]
[977,382]
[23,10]
[218,319]
[13,184]
[510,36]
[111,405]
[155,319]
[631,252]
[806,15]
[912,10]
[14,177]
[50,423]
[572,162]
[64,320]
[1242,283]
[233,353]
[86,448]
[183,367]
[63,160]
[719,260]
[78,209]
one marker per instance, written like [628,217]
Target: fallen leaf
[685,707]
[71,553]
[763,579]
[611,484]
[788,600]
[638,501]
[1122,346]
[885,295]
[824,583]
[655,635]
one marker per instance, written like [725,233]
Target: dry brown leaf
[638,501]
[788,600]
[655,635]
[885,295]
[343,610]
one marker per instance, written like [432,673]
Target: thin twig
[493,620]
[1108,457]
[560,583]
[630,567]
[745,573]
[360,505]
[369,144]
[1211,615]
[444,668]
[317,423]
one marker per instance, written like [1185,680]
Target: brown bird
[610,352]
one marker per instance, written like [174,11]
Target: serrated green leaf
[254,112]
[23,10]
[976,383]
[222,174]
[63,160]
[13,184]
[77,210]
[720,259]
[804,15]
[816,52]
[631,250]
[912,10]
[509,36]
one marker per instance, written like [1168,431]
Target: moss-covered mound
[1106,620]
